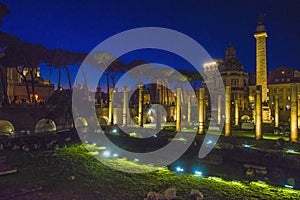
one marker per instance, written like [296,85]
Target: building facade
[233,75]
[17,90]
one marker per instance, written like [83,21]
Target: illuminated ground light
[94,144]
[115,155]
[198,173]
[106,154]
[136,160]
[288,186]
[209,142]
[291,151]
[114,130]
[179,169]
[86,142]
[246,145]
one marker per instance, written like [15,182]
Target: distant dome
[230,63]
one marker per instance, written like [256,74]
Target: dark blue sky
[82,24]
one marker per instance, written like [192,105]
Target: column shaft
[110,106]
[236,113]
[258,113]
[276,111]
[125,105]
[178,109]
[219,109]
[189,109]
[293,117]
[201,111]
[227,110]
[140,109]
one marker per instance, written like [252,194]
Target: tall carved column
[261,58]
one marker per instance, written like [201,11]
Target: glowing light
[198,173]
[247,145]
[114,130]
[86,141]
[288,186]
[133,134]
[209,142]
[209,64]
[179,169]
[290,151]
[136,160]
[94,144]
[106,153]
[115,155]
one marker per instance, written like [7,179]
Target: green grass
[72,173]
[249,134]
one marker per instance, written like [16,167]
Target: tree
[14,58]
[5,41]
[59,58]
[33,55]
[193,77]
[3,11]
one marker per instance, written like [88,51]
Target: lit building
[16,86]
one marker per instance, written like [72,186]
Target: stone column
[227,110]
[99,96]
[178,108]
[298,111]
[158,117]
[140,109]
[293,117]
[258,113]
[125,105]
[110,106]
[201,111]
[115,116]
[189,109]
[276,111]
[219,109]
[236,113]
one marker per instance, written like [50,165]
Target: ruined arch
[81,122]
[103,121]
[45,125]
[245,118]
[6,127]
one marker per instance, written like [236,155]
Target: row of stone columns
[294,117]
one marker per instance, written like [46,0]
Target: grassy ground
[72,173]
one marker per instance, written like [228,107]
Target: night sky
[82,24]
